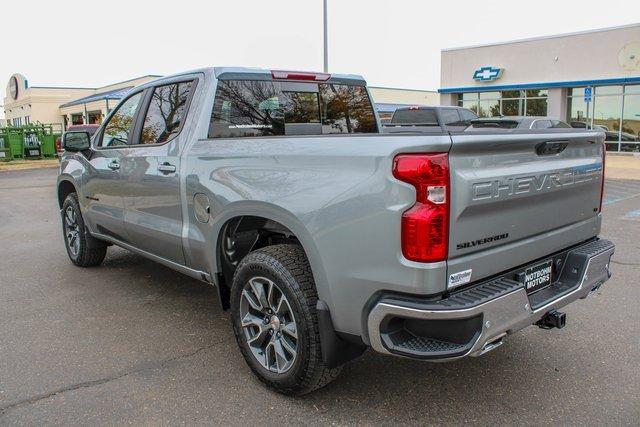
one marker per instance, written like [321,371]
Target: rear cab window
[542,124]
[450,117]
[415,116]
[467,115]
[252,108]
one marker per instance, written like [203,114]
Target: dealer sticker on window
[460,278]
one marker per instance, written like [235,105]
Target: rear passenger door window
[166,113]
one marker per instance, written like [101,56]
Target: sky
[390,43]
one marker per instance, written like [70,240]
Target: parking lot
[134,342]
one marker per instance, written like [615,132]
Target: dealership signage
[13,87]
[487,74]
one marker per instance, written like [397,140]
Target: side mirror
[76,141]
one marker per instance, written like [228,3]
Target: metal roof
[112,94]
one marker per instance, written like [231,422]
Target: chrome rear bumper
[475,320]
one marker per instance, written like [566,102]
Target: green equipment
[14,141]
[5,153]
[33,140]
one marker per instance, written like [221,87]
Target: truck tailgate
[517,197]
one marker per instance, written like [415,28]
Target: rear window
[450,117]
[419,116]
[247,108]
[497,124]
[542,124]
[467,115]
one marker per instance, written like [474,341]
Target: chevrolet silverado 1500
[324,236]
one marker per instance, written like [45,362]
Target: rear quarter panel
[336,193]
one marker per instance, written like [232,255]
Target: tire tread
[290,259]
[90,255]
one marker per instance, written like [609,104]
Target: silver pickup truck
[324,236]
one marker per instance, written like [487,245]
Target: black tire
[87,251]
[287,266]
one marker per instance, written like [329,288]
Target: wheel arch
[65,187]
[275,225]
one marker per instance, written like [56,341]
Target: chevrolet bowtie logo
[486,74]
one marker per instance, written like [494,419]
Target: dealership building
[590,78]
[24,104]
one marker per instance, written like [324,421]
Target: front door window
[119,130]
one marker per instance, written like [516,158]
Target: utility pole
[326,44]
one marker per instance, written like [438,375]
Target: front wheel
[83,249]
[273,300]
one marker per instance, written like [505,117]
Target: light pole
[326,44]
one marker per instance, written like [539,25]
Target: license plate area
[538,276]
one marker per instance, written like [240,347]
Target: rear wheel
[273,300]
[83,249]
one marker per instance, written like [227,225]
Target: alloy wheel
[72,230]
[268,324]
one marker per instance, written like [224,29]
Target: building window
[615,110]
[27,120]
[77,119]
[631,121]
[95,117]
[506,103]
[17,121]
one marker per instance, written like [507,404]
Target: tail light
[425,226]
[604,151]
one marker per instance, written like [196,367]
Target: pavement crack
[86,384]
[632,264]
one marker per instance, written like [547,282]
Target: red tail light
[299,75]
[425,226]
[604,151]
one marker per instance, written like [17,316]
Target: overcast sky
[391,43]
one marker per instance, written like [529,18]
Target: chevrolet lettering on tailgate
[507,187]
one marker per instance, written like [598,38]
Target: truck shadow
[373,388]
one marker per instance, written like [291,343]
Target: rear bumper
[475,320]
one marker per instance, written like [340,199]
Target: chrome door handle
[166,167]
[114,165]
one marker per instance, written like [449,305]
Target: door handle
[166,167]
[114,165]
